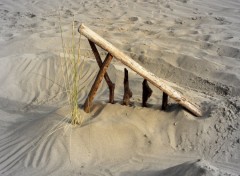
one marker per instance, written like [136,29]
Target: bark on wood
[147,92]
[126,60]
[110,84]
[127,92]
[164,101]
[93,91]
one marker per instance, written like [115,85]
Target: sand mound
[200,168]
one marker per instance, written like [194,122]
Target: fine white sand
[195,45]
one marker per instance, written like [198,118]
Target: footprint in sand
[69,13]
[168,7]
[228,37]
[196,18]
[133,19]
[222,20]
[178,21]
[205,45]
[228,52]
[51,23]
[148,22]
[30,15]
[7,36]
[206,37]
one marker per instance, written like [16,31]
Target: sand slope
[193,44]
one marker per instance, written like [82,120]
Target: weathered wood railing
[94,38]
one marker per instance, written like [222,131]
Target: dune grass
[71,71]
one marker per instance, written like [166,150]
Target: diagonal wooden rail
[126,60]
[98,80]
[110,84]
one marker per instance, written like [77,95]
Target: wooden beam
[110,84]
[146,93]
[127,92]
[164,101]
[126,60]
[98,80]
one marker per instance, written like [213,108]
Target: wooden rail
[126,60]
[111,85]
[98,80]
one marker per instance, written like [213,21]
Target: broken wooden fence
[93,39]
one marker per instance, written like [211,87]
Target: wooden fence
[113,52]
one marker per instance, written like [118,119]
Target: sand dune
[195,45]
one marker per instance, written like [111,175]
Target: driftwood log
[146,93]
[110,84]
[126,60]
[127,92]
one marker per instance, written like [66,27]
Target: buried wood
[146,93]
[127,92]
[98,80]
[110,84]
[126,60]
[164,101]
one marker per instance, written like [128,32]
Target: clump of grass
[71,70]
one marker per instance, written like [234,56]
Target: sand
[194,45]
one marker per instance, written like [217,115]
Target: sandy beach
[192,44]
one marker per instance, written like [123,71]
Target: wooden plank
[164,101]
[98,80]
[110,84]
[126,60]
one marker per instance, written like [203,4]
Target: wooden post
[98,80]
[164,101]
[126,60]
[127,92]
[147,92]
[110,84]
